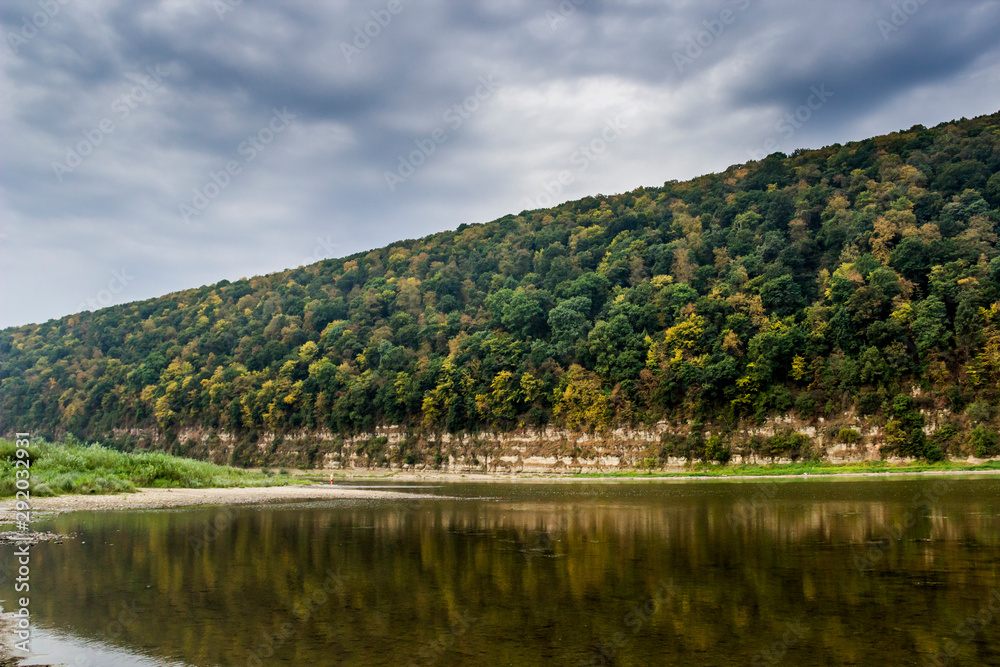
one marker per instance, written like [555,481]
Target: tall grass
[74,468]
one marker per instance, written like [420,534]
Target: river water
[765,572]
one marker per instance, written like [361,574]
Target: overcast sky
[147,147]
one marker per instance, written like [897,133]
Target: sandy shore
[159,498]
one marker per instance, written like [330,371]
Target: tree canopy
[832,279]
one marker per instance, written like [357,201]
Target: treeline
[862,277]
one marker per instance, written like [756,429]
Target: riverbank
[58,468]
[698,472]
[300,490]
[145,499]
[480,477]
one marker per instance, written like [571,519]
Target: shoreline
[149,499]
[624,476]
[345,488]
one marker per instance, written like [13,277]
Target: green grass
[804,468]
[74,468]
[748,470]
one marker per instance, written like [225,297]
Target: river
[731,572]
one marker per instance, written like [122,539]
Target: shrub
[933,452]
[648,463]
[42,490]
[944,436]
[806,405]
[978,411]
[985,441]
[716,450]
[798,446]
[849,436]
[61,468]
[869,402]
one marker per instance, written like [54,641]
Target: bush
[648,463]
[806,405]
[716,450]
[42,490]
[849,436]
[869,402]
[694,445]
[978,411]
[932,452]
[799,446]
[790,445]
[76,468]
[985,441]
[944,436]
[957,399]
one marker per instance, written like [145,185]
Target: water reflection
[817,573]
[58,648]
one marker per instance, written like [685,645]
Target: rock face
[784,439]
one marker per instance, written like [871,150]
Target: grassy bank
[805,468]
[74,468]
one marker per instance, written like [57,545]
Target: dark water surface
[819,572]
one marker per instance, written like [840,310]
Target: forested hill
[835,279]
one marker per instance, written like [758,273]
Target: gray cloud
[562,69]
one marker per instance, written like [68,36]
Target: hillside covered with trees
[862,277]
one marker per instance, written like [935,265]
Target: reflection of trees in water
[541,582]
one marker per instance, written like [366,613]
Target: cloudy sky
[147,147]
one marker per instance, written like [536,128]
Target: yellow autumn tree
[499,404]
[680,342]
[580,401]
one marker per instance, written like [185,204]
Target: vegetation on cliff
[862,277]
